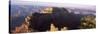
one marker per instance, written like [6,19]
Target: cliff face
[60,18]
[24,26]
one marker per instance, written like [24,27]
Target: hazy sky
[90,7]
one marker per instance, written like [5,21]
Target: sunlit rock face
[47,10]
[88,22]
[53,28]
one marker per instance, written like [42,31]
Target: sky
[54,4]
